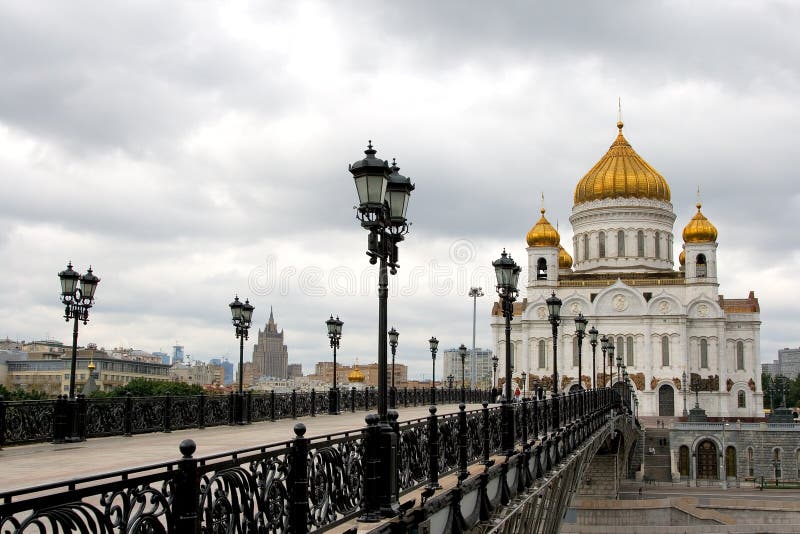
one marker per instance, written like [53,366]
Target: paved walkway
[31,465]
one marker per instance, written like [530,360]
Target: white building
[663,321]
[483,367]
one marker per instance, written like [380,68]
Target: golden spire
[621,172]
[620,124]
[543,234]
[699,229]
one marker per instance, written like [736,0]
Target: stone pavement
[40,463]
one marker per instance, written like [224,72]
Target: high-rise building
[270,355]
[787,364]
[177,353]
[294,370]
[483,364]
[226,366]
[671,326]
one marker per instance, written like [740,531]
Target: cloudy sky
[192,150]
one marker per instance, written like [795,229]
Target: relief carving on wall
[729,384]
[638,379]
[587,381]
[602,379]
[564,381]
[653,383]
[702,310]
[663,307]
[620,303]
[541,312]
[711,383]
[575,308]
[752,384]
[677,382]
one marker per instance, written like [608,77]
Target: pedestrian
[516,395]
[640,492]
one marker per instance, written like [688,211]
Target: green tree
[21,394]
[141,387]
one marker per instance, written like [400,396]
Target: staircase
[600,477]
[658,466]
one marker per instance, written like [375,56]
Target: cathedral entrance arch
[666,401]
[575,388]
[707,460]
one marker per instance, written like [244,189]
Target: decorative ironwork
[336,469]
[28,421]
[105,417]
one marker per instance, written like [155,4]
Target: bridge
[451,474]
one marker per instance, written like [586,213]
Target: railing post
[294,404]
[80,417]
[554,407]
[313,403]
[353,400]
[60,419]
[535,417]
[248,417]
[127,414]
[485,434]
[524,422]
[370,509]
[415,396]
[167,413]
[298,482]
[405,396]
[272,405]
[433,450]
[231,409]
[187,488]
[366,399]
[462,443]
[201,409]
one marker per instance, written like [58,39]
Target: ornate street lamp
[524,383]
[507,273]
[619,368]
[495,359]
[685,393]
[604,348]
[580,331]
[334,334]
[383,196]
[450,379]
[611,350]
[554,309]
[241,315]
[434,345]
[393,336]
[593,341]
[77,301]
[462,352]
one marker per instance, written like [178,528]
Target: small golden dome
[564,259]
[699,229]
[543,234]
[91,365]
[682,257]
[621,172]
[356,376]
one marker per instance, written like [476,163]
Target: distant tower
[270,355]
[177,353]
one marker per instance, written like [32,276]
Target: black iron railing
[43,420]
[301,485]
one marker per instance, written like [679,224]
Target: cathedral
[668,325]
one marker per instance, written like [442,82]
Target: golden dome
[682,257]
[91,365]
[543,234]
[356,376]
[564,259]
[699,229]
[621,173]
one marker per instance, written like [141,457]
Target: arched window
[701,266]
[585,247]
[740,356]
[704,353]
[730,462]
[741,400]
[542,354]
[541,269]
[602,244]
[669,247]
[665,351]
[658,245]
[640,244]
[776,462]
[630,352]
[620,243]
[620,347]
[750,466]
[575,351]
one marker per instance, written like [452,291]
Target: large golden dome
[356,376]
[621,173]
[699,229]
[543,234]
[564,259]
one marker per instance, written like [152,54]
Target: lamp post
[611,349]
[334,334]
[619,368]
[724,457]
[684,388]
[580,331]
[524,383]
[383,196]
[241,314]
[554,309]
[450,379]
[462,353]
[434,344]
[495,359]
[507,272]
[474,292]
[77,301]
[393,336]
[604,348]
[593,341]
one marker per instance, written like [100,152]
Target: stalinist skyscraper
[270,355]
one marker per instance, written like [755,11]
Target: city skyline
[202,153]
